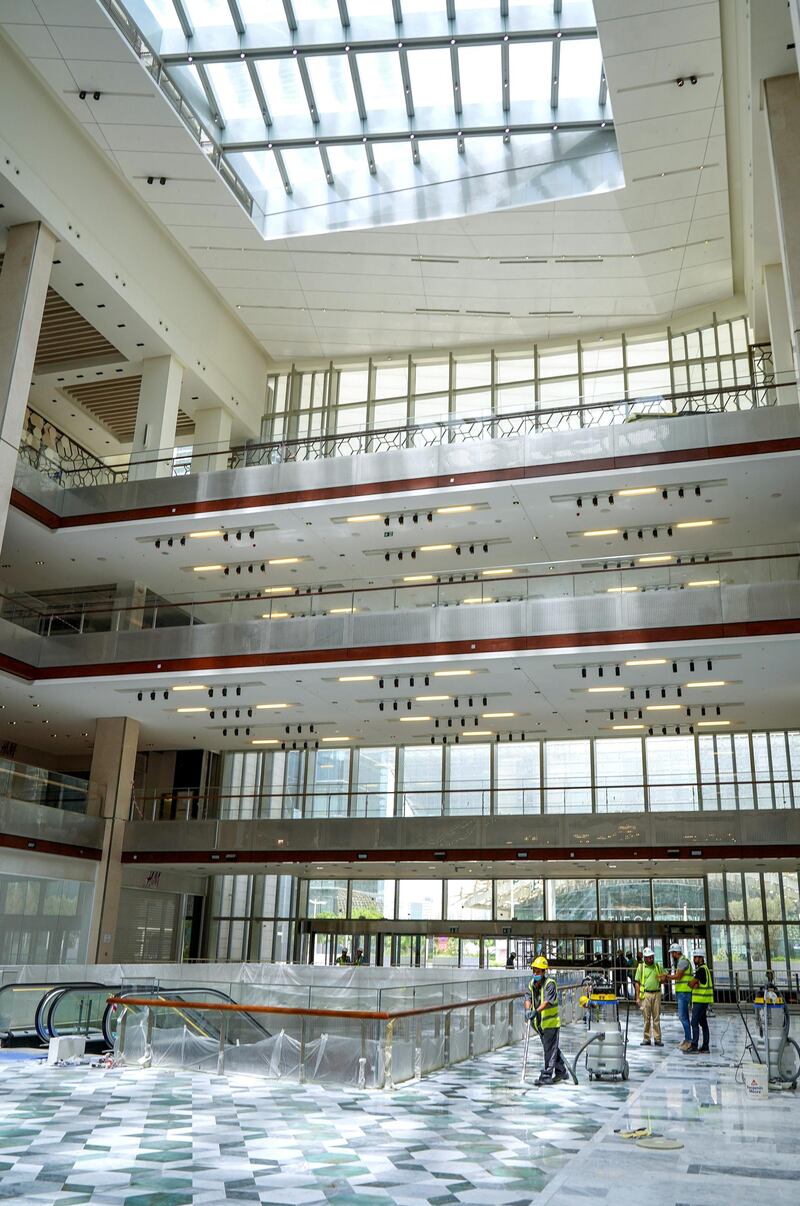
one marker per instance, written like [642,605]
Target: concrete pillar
[113,764]
[212,430]
[794,12]
[782,110]
[24,279]
[780,333]
[129,606]
[156,418]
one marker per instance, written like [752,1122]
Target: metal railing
[34,785]
[472,801]
[73,469]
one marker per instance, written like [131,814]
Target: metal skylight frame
[261,144]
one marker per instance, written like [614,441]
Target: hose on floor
[596,1038]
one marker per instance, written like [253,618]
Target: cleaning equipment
[772,1044]
[607,1046]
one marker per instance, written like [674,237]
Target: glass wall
[44,920]
[644,370]
[252,917]
[754,921]
[603,774]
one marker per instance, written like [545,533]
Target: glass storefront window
[517,777]
[571,899]
[619,775]
[793,947]
[758,949]
[625,900]
[679,900]
[469,899]
[761,770]
[567,776]
[519,899]
[419,899]
[776,939]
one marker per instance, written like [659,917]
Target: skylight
[336,114]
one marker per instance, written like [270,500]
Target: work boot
[657,1043]
[684,1046]
[645,1043]
[544,1080]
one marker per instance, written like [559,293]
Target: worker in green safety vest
[681,976]
[541,1007]
[649,977]
[702,983]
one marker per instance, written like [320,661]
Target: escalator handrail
[48,1002]
[173,993]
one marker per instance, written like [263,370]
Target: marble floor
[470,1135]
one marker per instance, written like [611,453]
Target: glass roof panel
[581,63]
[205,14]
[280,79]
[233,90]
[332,84]
[381,81]
[316,10]
[165,13]
[479,72]
[262,12]
[530,64]
[431,78]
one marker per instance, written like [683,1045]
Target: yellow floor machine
[607,1046]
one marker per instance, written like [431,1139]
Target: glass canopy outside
[354,113]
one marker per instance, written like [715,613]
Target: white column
[782,110]
[23,288]
[212,431]
[156,418]
[780,334]
[113,764]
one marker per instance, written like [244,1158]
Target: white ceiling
[663,241]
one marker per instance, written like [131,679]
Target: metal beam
[554,73]
[255,80]
[216,109]
[603,94]
[344,15]
[326,164]
[421,41]
[451,10]
[291,19]
[183,18]
[355,76]
[236,17]
[503,8]
[309,91]
[353,138]
[281,166]
[397,11]
[455,73]
[370,157]
[505,73]
[406,74]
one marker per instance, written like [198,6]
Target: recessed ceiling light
[276,615]
[478,599]
[357,678]
[621,590]
[206,569]
[704,582]
[420,578]
[451,673]
[695,523]
[430,698]
[434,548]
[342,611]
[496,715]
[604,690]
[284,560]
[716,682]
[455,510]
[413,719]
[637,490]
[496,573]
[623,727]
[663,708]
[278,590]
[646,661]
[203,535]
[478,733]
[192,709]
[190,687]
[603,532]
[328,739]
[708,724]
[655,558]
[271,707]
[363,518]
[265,741]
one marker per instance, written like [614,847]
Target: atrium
[399,583]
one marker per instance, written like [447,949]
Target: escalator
[241,1028]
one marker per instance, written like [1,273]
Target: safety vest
[649,980]
[549,1018]
[703,994]
[683,984]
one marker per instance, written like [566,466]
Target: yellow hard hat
[540,963]
[583,1002]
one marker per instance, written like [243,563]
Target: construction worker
[680,976]
[542,1007]
[649,978]
[702,984]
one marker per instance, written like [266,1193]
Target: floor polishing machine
[607,1046]
[770,1041]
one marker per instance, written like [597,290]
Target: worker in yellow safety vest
[541,1007]
[649,977]
[702,983]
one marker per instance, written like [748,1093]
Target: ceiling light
[646,661]
[451,673]
[356,678]
[434,548]
[496,715]
[695,523]
[663,708]
[478,599]
[603,532]
[496,573]
[704,582]
[192,709]
[342,611]
[636,491]
[455,510]
[206,569]
[478,733]
[655,558]
[708,724]
[718,682]
[265,741]
[626,727]
[363,518]
[327,739]
[603,690]
[278,590]
[284,560]
[414,719]
[190,687]
[276,615]
[271,707]
[419,578]
[430,698]
[621,590]
[204,535]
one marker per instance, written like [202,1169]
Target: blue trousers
[684,1002]
[699,1022]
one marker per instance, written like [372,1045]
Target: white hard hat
[648,952]
[676,949]
[698,953]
